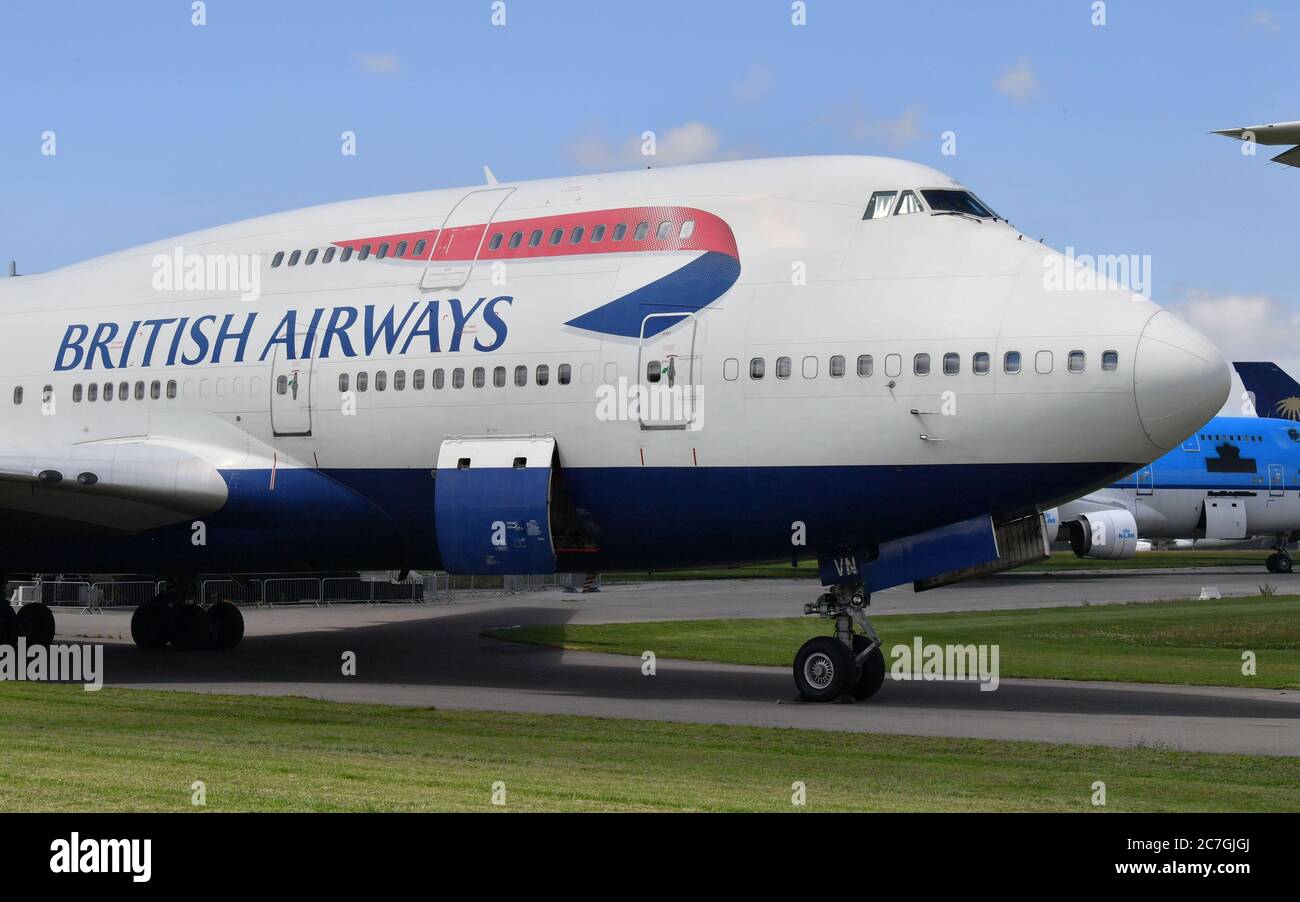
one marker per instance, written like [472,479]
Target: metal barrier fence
[294,590]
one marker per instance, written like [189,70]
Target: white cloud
[690,142]
[382,64]
[1262,19]
[1245,327]
[1018,82]
[858,126]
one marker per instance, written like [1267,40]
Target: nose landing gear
[828,668]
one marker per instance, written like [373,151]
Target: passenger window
[458,378]
[837,367]
[399,380]
[1076,361]
[363,381]
[516,239]
[417,380]
[756,367]
[108,391]
[383,251]
[620,232]
[439,379]
[381,380]
[401,249]
[810,367]
[345,255]
[76,393]
[1110,360]
[951,364]
[731,369]
[311,257]
[564,375]
[124,391]
[598,234]
[281,385]
[293,258]
[642,230]
[893,365]
[980,364]
[329,255]
[171,389]
[908,203]
[1043,362]
[865,365]
[277,259]
[535,238]
[878,206]
[687,230]
[420,245]
[556,235]
[543,374]
[18,394]
[480,377]
[653,370]
[783,368]
[139,391]
[364,252]
[92,392]
[665,231]
[1011,362]
[496,241]
[499,377]
[576,237]
[343,382]
[521,376]
[921,364]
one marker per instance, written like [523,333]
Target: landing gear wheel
[871,675]
[1283,564]
[149,626]
[36,622]
[8,624]
[824,669]
[227,624]
[188,628]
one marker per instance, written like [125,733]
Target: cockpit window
[878,206]
[944,200]
[909,203]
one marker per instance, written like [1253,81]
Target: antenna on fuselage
[487,174]
[13,268]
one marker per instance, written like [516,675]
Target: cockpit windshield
[947,200]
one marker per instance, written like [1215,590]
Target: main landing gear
[34,621]
[828,668]
[1279,561]
[171,617]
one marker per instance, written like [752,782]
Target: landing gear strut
[828,668]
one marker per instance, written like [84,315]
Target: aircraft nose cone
[1180,380]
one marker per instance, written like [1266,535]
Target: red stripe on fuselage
[460,243]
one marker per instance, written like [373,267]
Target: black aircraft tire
[36,622]
[188,628]
[8,624]
[824,669]
[227,625]
[149,626]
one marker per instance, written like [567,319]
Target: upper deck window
[879,205]
[946,200]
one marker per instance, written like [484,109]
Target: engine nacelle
[1052,524]
[1104,535]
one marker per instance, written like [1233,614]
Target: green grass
[1188,642]
[1060,560]
[69,750]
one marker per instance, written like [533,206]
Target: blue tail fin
[1277,395]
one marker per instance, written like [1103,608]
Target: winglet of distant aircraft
[1274,134]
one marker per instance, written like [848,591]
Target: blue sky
[1092,137]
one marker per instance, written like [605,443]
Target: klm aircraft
[846,358]
[1235,478]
